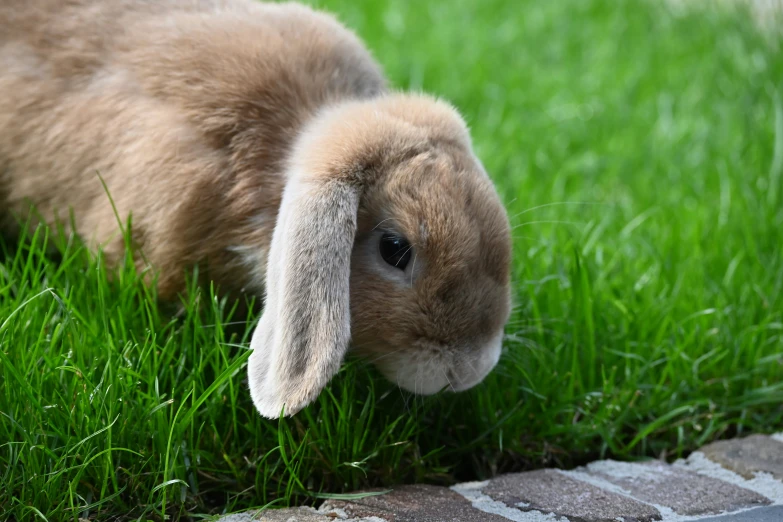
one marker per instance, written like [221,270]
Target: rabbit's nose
[478,364]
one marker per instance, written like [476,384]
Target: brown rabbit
[259,141]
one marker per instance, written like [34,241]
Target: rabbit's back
[205,56]
[186,108]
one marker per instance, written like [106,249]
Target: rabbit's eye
[395,250]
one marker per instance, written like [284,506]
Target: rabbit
[261,143]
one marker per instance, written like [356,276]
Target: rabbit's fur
[259,141]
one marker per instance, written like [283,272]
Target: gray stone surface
[414,504]
[300,514]
[685,492]
[748,456]
[549,491]
[764,514]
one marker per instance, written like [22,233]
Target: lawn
[639,151]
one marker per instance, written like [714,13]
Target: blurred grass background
[639,150]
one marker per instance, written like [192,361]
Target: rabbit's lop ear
[304,332]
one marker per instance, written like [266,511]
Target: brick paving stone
[419,503]
[748,456]
[764,514]
[300,514]
[685,492]
[549,491]
[764,484]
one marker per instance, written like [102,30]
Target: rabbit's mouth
[429,371]
[474,367]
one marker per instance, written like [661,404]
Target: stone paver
[739,480]
[300,514]
[765,514]
[748,456]
[685,492]
[763,483]
[550,491]
[414,504]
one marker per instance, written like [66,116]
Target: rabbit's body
[188,130]
[258,142]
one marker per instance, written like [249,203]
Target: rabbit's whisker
[554,204]
[546,222]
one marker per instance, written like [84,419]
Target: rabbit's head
[391,239]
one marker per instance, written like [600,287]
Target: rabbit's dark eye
[395,250]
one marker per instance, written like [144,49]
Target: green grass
[640,153]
